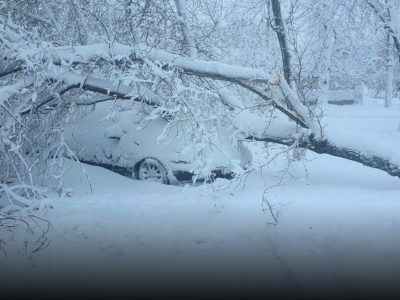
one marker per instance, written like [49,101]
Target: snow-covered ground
[338,226]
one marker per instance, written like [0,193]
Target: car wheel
[151,169]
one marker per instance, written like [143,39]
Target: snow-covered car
[126,142]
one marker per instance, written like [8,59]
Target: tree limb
[383,15]
[326,147]
[8,67]
[252,79]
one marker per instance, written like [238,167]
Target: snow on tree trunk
[188,40]
[389,72]
[279,28]
[373,160]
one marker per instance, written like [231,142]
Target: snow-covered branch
[275,91]
[370,159]
[384,15]
[358,148]
[9,67]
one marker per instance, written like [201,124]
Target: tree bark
[279,28]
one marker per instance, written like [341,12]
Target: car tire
[151,169]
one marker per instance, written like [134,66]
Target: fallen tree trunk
[323,146]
